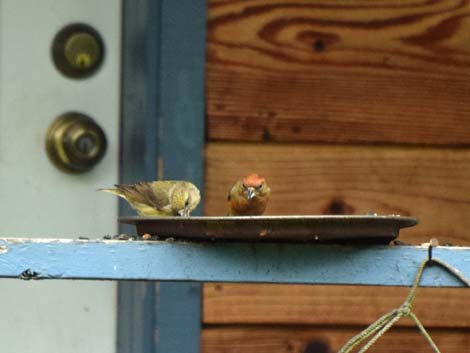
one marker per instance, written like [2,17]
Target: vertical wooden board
[428,183]
[324,340]
[226,303]
[137,299]
[339,71]
[181,43]
[163,120]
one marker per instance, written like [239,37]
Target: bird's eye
[244,186]
[259,186]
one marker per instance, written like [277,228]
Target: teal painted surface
[139,147]
[163,119]
[267,263]
[181,45]
[178,316]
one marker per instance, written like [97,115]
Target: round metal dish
[369,228]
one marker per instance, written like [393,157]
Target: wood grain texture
[272,304]
[428,183]
[324,340]
[339,71]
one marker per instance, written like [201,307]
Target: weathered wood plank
[227,303]
[428,183]
[324,340]
[339,71]
[229,262]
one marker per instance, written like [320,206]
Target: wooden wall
[346,107]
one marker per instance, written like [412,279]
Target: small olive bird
[249,196]
[159,198]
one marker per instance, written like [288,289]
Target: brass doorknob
[77,50]
[75,143]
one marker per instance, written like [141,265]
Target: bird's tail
[114,192]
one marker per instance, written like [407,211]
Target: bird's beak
[250,193]
[185,212]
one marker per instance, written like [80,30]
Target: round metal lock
[77,51]
[75,143]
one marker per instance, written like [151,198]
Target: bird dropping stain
[264,232]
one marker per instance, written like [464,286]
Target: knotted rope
[383,324]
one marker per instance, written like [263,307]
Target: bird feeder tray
[322,229]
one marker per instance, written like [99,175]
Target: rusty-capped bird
[249,196]
[159,198]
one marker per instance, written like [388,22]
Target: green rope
[384,323]
[453,271]
[379,334]
[380,323]
[424,332]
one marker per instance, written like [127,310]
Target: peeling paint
[28,274]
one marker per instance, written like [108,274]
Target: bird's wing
[154,194]
[141,193]
[161,191]
[231,192]
[132,193]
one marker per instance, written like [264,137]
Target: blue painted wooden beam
[232,262]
